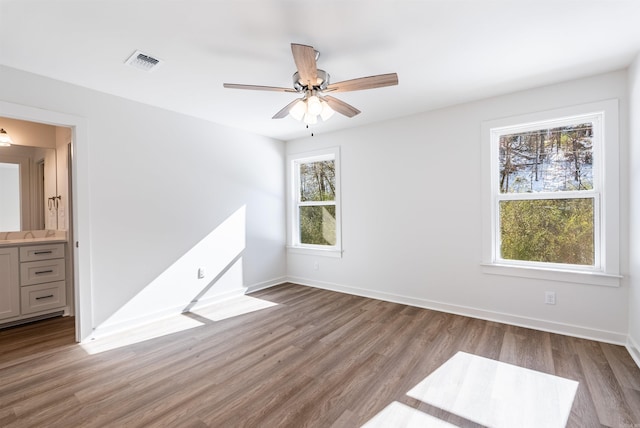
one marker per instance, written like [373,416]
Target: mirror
[33,173]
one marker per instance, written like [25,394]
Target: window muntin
[315,212]
[546,191]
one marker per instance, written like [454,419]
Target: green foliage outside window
[318,225]
[318,181]
[547,160]
[548,230]
[318,220]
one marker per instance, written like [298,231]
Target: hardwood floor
[313,358]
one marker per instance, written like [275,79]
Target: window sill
[579,277]
[315,251]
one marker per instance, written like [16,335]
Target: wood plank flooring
[314,359]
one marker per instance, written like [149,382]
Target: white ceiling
[444,51]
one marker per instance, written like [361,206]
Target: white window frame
[293,218]
[605,193]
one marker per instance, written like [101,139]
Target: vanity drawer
[41,252]
[42,297]
[42,271]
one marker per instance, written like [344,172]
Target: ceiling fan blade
[305,59]
[285,111]
[378,81]
[258,87]
[340,106]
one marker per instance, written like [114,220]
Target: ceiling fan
[313,84]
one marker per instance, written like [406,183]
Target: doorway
[76,215]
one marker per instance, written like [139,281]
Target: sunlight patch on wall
[175,289]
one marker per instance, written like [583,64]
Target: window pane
[547,160]
[548,230]
[318,225]
[318,181]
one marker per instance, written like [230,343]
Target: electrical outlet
[316,265]
[201,273]
[550,297]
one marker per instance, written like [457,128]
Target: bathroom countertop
[32,237]
[30,241]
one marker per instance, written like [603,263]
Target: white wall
[412,230]
[160,183]
[634,198]
[165,189]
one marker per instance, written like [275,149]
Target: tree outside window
[315,214]
[317,203]
[546,200]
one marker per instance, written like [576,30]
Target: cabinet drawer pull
[44,297]
[43,252]
[44,271]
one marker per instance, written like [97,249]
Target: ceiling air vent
[142,61]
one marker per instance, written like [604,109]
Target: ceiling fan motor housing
[321,85]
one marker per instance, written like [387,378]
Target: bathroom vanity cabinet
[32,281]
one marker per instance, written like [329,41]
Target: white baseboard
[516,320]
[634,350]
[266,284]
[109,329]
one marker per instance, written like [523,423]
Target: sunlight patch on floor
[497,394]
[166,326]
[233,307]
[197,317]
[400,415]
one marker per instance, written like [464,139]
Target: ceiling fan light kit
[313,84]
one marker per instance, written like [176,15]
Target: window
[314,202]
[546,197]
[551,190]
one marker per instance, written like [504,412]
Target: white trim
[634,350]
[322,252]
[561,275]
[81,205]
[266,284]
[616,338]
[607,230]
[146,319]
